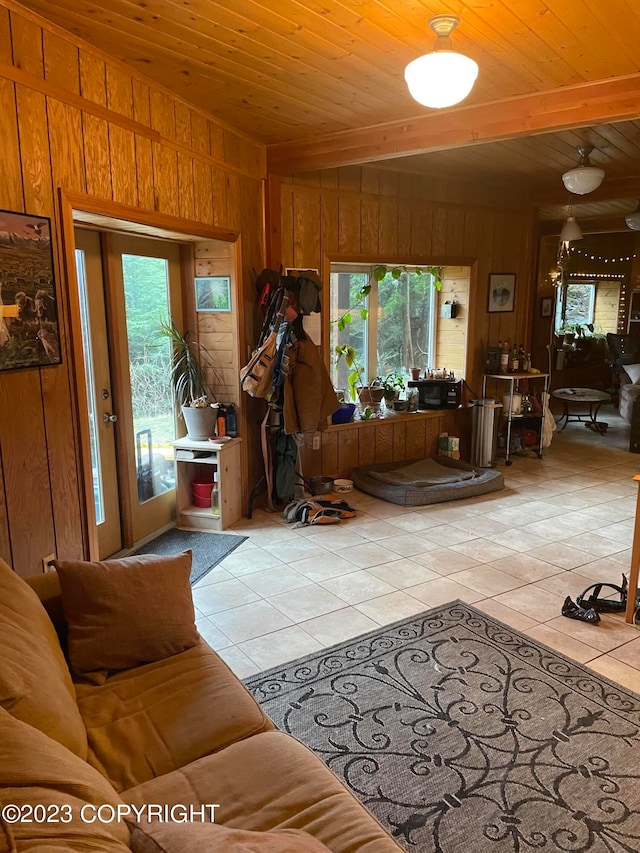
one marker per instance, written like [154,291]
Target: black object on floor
[208,548]
[573,611]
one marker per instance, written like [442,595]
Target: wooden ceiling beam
[603,101]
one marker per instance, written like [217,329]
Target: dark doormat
[459,733]
[208,548]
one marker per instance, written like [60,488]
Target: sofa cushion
[156,718]
[37,770]
[35,683]
[633,372]
[202,837]
[271,781]
[122,613]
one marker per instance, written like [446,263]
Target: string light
[601,257]
[608,276]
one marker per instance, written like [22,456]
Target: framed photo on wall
[29,333]
[546,306]
[502,286]
[213,293]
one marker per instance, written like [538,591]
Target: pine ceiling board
[621,142]
[564,40]
[196,48]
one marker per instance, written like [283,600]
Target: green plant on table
[392,383]
[355,370]
[188,380]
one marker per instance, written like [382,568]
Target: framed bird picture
[29,333]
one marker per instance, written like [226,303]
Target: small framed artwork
[213,293]
[546,306]
[29,333]
[502,286]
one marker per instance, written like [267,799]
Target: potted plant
[391,385]
[191,392]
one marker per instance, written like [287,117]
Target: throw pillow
[196,837]
[633,372]
[127,612]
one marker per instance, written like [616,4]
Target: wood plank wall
[72,118]
[366,213]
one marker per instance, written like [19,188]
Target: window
[575,305]
[397,330]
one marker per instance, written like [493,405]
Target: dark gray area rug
[461,734]
[208,548]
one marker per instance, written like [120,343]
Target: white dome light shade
[443,77]
[633,219]
[440,79]
[585,178]
[570,230]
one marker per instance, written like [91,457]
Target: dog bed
[426,481]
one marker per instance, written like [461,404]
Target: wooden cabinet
[226,463]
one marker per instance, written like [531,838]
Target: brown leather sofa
[178,731]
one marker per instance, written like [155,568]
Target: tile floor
[560,524]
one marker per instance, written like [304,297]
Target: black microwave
[437,393]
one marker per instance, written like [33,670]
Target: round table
[586,396]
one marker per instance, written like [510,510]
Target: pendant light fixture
[570,230]
[443,77]
[585,178]
[633,219]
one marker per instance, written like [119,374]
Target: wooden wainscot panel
[347,450]
[415,438]
[329,444]
[141,103]
[119,91]
[98,164]
[61,62]
[123,165]
[93,78]
[203,191]
[5,37]
[32,122]
[26,470]
[144,172]
[185,186]
[384,442]
[165,179]
[65,138]
[400,441]
[26,37]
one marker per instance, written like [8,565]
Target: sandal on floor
[573,611]
[591,597]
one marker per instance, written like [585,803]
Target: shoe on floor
[573,611]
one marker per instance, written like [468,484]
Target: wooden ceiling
[299,73]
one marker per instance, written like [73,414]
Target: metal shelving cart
[538,419]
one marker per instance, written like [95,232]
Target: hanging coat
[309,397]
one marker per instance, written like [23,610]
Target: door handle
[108,418]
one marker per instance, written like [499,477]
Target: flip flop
[573,611]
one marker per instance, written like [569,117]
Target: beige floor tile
[483,550]
[374,530]
[334,537]
[403,573]
[408,544]
[617,671]
[444,561]
[274,533]
[214,575]
[445,535]
[222,596]
[566,583]
[390,608]
[573,500]
[487,580]
[481,526]
[240,663]
[536,603]
[324,567]
[608,634]
[526,567]
[619,531]
[338,626]
[280,646]
[629,653]
[446,513]
[275,580]
[609,513]
[211,634]
[505,614]
[245,562]
[250,620]
[410,521]
[562,555]
[369,554]
[305,603]
[442,590]
[287,552]
[358,586]
[606,569]
[596,545]
[518,539]
[382,509]
[562,643]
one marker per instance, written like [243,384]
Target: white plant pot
[200,422]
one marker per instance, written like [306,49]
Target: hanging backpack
[256,377]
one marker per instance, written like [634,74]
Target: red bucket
[201,489]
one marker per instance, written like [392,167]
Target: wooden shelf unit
[226,462]
[530,420]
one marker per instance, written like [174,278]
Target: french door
[127,286]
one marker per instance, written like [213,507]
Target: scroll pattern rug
[461,734]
